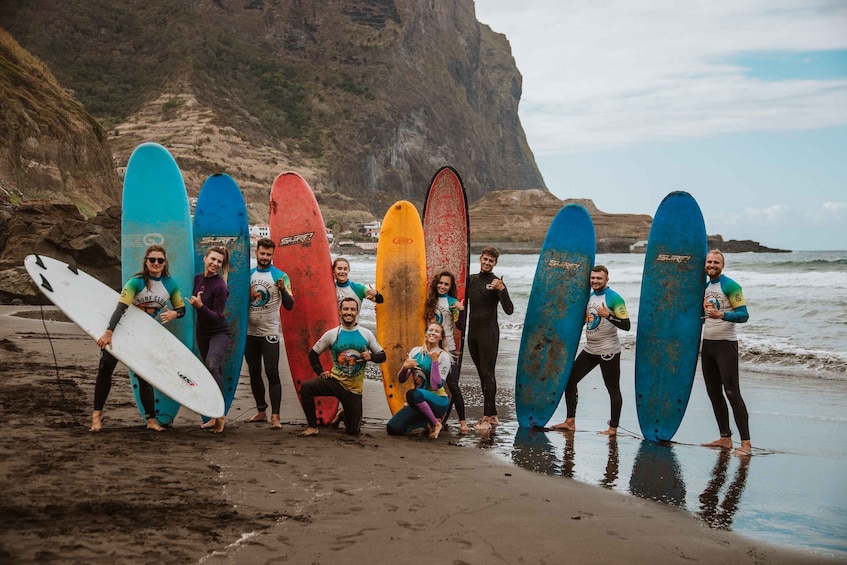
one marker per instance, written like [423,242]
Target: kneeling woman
[429,366]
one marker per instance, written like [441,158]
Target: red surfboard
[302,252]
[447,234]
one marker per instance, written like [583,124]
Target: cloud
[768,216]
[834,210]
[607,74]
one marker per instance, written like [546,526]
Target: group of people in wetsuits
[433,365]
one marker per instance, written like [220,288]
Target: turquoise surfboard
[155,210]
[555,315]
[669,324]
[220,218]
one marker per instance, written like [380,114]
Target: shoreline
[256,495]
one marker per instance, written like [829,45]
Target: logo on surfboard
[669,258]
[187,381]
[225,240]
[402,240]
[296,239]
[567,265]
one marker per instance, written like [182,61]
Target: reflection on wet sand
[610,478]
[656,474]
[716,514]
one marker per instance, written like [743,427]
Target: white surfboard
[139,341]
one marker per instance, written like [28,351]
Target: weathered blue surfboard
[555,315]
[220,218]
[669,324]
[155,210]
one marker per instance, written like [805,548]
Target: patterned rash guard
[421,374]
[265,300]
[447,314]
[725,295]
[346,347]
[152,299]
[350,289]
[601,336]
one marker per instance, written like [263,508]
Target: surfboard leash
[56,367]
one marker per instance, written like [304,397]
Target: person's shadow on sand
[716,514]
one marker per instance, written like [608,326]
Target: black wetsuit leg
[253,358]
[103,385]
[610,366]
[483,344]
[270,356]
[351,402]
[148,398]
[720,359]
[582,365]
[456,398]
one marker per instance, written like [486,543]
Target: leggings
[350,401]
[410,417]
[212,350]
[104,385]
[456,398]
[719,359]
[256,350]
[610,366]
[483,351]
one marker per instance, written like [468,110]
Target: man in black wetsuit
[485,291]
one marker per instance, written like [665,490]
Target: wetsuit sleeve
[737,316]
[377,353]
[403,374]
[176,298]
[287,299]
[378,357]
[434,376]
[315,362]
[506,301]
[624,324]
[379,298]
[461,320]
[215,316]
[116,316]
[283,283]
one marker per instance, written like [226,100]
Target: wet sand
[255,495]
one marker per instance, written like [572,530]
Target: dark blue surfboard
[669,324]
[555,315]
[155,210]
[220,218]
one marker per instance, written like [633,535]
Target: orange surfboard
[401,278]
[302,252]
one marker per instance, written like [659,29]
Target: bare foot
[723,443]
[259,417]
[275,424]
[494,422]
[209,424]
[610,432]
[569,425]
[433,434]
[309,432]
[745,449]
[153,424]
[96,421]
[463,427]
[483,425]
[219,425]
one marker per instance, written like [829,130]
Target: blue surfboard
[669,324]
[155,210]
[555,315]
[220,218]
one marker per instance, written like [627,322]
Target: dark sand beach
[255,495]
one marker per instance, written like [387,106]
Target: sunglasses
[154,260]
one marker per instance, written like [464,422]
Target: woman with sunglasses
[150,290]
[212,330]
[428,365]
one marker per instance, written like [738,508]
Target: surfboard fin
[45,283]
[72,266]
[39,262]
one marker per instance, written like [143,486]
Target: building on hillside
[370,229]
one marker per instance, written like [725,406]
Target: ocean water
[794,381]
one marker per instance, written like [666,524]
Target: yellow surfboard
[401,278]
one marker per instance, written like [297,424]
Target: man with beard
[351,347]
[269,287]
